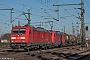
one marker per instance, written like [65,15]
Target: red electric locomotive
[56,38]
[29,37]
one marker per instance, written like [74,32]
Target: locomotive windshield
[18,31]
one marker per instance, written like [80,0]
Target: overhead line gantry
[81,19]
[10,12]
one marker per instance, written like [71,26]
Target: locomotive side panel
[36,37]
[41,36]
[56,39]
[48,37]
[63,38]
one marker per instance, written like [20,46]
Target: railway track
[64,53]
[77,56]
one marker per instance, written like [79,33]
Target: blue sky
[67,16]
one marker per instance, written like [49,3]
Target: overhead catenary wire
[15,3]
[46,6]
[87,3]
[89,7]
[70,15]
[74,9]
[24,5]
[35,15]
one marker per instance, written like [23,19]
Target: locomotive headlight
[13,37]
[23,40]
[22,37]
[12,41]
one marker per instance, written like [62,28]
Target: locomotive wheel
[45,47]
[26,49]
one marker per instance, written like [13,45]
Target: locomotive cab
[18,38]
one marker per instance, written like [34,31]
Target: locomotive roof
[21,26]
[41,29]
[58,32]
